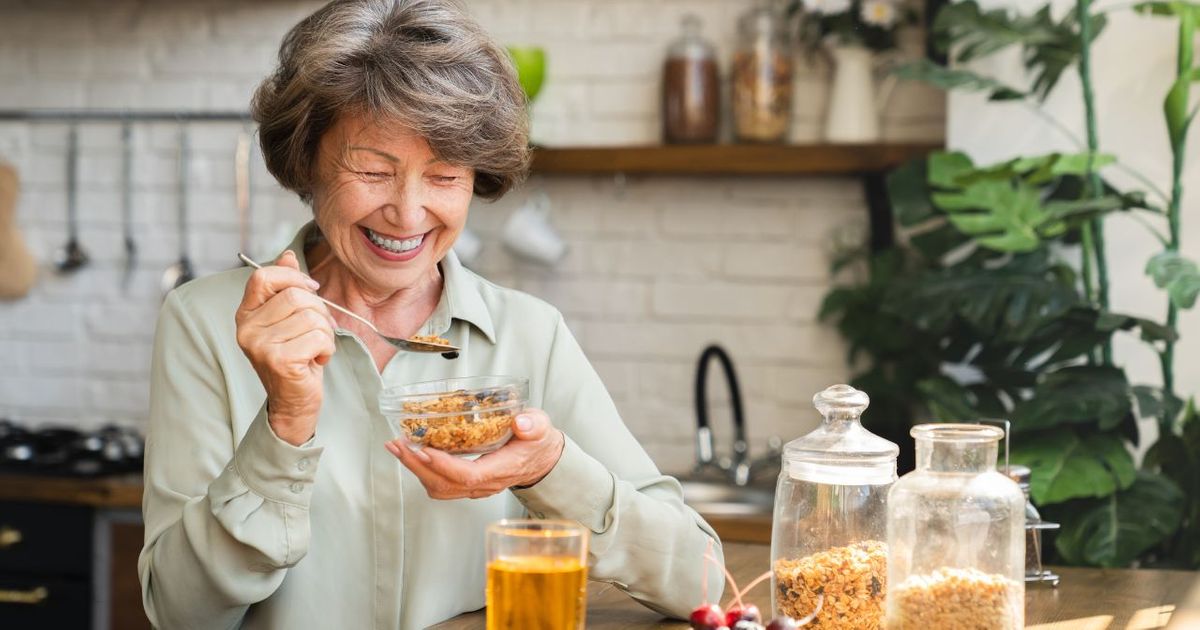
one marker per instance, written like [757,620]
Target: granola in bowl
[460,415]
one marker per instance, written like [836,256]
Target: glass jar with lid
[956,533]
[830,523]
[691,90]
[762,78]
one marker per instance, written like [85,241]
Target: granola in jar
[852,579]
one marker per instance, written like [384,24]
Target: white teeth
[395,246]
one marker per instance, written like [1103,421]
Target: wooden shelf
[118,491]
[728,159]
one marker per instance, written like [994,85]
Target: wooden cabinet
[68,563]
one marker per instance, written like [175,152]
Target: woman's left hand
[524,461]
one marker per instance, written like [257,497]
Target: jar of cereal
[827,545]
[956,535]
[762,78]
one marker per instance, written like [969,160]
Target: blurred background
[759,176]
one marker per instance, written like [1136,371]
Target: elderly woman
[275,497]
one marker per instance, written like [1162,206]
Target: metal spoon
[408,345]
[127,203]
[71,257]
[181,272]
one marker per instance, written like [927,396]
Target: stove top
[67,452]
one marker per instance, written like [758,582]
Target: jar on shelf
[830,522]
[956,533]
[762,78]
[691,90]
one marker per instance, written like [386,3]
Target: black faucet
[738,466]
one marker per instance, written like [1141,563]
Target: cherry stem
[758,580]
[807,620]
[707,554]
[729,577]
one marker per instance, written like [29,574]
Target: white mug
[529,234]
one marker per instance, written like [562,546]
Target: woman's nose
[407,207]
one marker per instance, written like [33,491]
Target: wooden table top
[1087,599]
[116,491]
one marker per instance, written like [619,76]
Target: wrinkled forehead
[356,136]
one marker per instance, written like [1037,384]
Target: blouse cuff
[578,488]
[272,468]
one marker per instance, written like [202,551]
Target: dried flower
[878,13]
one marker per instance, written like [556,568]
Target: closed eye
[371,174]
[445,179]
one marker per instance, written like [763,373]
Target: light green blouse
[243,529]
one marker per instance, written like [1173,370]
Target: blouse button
[297,487]
[302,464]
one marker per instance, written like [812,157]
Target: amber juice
[536,593]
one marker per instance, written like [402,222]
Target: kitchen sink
[720,498]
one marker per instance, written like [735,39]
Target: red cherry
[782,623]
[749,612]
[707,617]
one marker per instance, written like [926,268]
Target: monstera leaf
[1176,455]
[1114,530]
[1178,275]
[1009,302]
[952,79]
[1075,395]
[1065,466]
[998,215]
[1005,207]
[1155,402]
[1048,47]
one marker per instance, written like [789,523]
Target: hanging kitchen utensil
[72,256]
[241,181]
[20,267]
[181,272]
[127,203]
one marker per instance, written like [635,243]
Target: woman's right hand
[287,334]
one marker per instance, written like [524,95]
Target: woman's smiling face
[389,209]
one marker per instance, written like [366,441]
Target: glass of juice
[536,575]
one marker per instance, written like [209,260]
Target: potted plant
[852,32]
[995,303]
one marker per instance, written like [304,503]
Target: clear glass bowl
[460,416]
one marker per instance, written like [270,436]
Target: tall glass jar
[827,543]
[762,78]
[691,89]
[956,533]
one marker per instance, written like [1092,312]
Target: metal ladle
[127,203]
[181,272]
[72,256]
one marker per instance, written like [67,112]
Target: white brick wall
[658,267]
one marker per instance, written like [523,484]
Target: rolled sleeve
[272,468]
[578,488]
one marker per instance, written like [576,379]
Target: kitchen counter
[1087,599]
[112,492]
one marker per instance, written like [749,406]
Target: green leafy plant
[980,311]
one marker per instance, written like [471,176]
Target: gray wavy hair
[423,64]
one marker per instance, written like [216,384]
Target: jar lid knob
[842,402]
